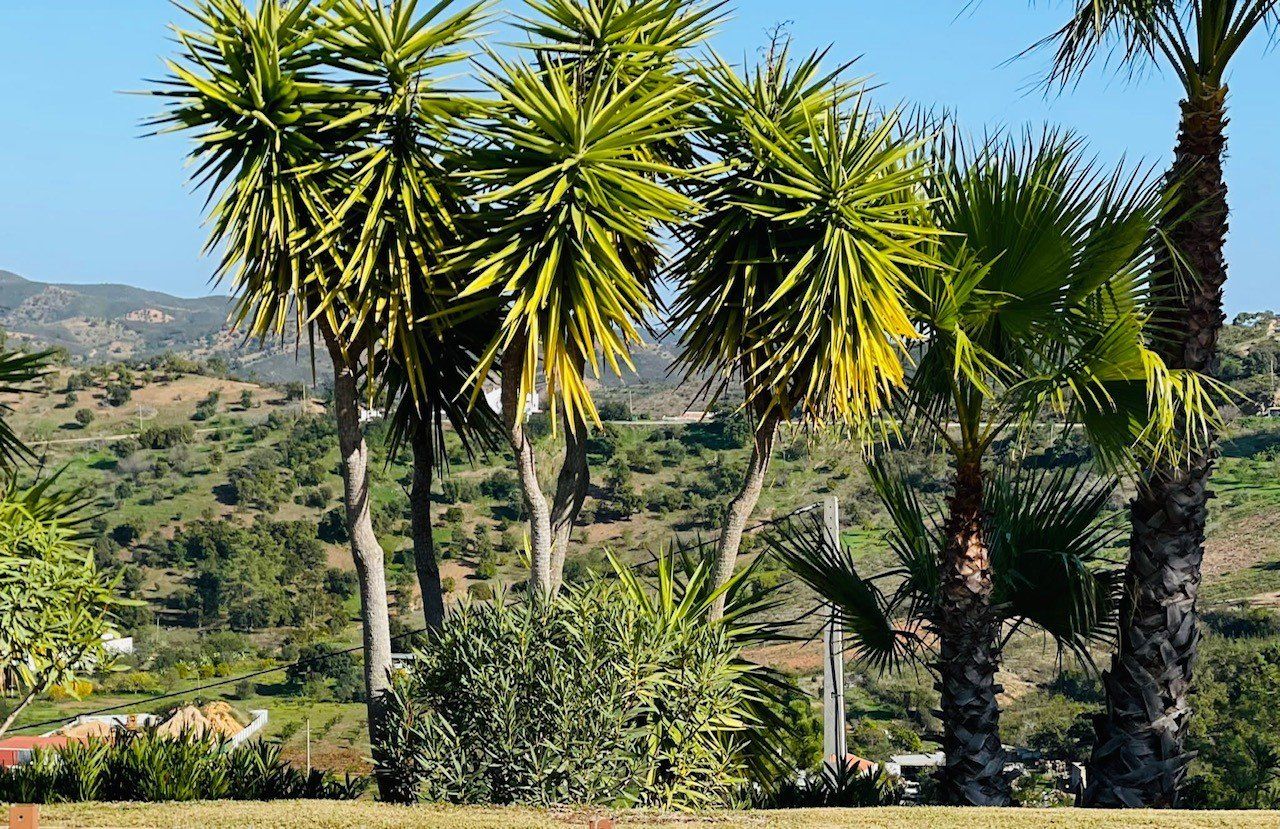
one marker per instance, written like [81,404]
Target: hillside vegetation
[219,501]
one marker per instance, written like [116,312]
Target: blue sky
[84,199]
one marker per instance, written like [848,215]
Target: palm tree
[1139,759]
[1049,536]
[404,212]
[17,370]
[290,105]
[606,90]
[1038,313]
[794,279]
[574,199]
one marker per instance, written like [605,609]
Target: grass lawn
[330,815]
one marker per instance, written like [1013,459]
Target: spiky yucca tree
[623,39]
[1139,759]
[308,119]
[576,148]
[401,213]
[794,280]
[575,198]
[1040,312]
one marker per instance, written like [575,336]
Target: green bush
[148,768]
[606,695]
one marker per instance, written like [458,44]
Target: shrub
[603,695]
[149,768]
[166,437]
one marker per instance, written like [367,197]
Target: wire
[315,659]
[198,688]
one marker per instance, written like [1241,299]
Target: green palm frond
[794,278]
[248,84]
[830,570]
[17,370]
[624,38]
[572,199]
[1044,306]
[1049,534]
[1195,38]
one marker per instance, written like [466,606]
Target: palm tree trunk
[1138,758]
[571,493]
[424,546]
[744,503]
[365,550]
[535,502]
[969,655]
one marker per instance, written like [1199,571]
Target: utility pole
[308,746]
[833,731]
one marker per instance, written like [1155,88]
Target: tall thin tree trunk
[969,654]
[1139,758]
[365,551]
[424,546]
[571,493]
[739,510]
[535,502]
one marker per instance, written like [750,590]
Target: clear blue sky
[84,199]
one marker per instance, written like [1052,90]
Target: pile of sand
[212,719]
[223,718]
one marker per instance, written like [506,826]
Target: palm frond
[1049,535]
[572,199]
[17,371]
[829,569]
[794,277]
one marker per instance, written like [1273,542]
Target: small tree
[84,417]
[55,605]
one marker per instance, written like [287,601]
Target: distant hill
[107,322]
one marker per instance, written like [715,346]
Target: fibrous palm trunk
[1139,758]
[744,503]
[535,502]
[424,548]
[365,550]
[969,655]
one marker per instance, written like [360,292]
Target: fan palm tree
[794,280]
[1039,313]
[1139,759]
[290,102]
[1048,535]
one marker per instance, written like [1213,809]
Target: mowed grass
[330,815]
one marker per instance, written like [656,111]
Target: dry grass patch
[332,815]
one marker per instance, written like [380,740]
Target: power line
[316,659]
[198,688]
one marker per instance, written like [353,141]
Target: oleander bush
[616,693]
[150,768]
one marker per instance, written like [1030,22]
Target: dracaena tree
[310,121]
[402,212]
[601,112]
[575,194]
[1038,315]
[1139,759]
[794,278]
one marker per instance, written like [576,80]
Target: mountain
[102,323]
